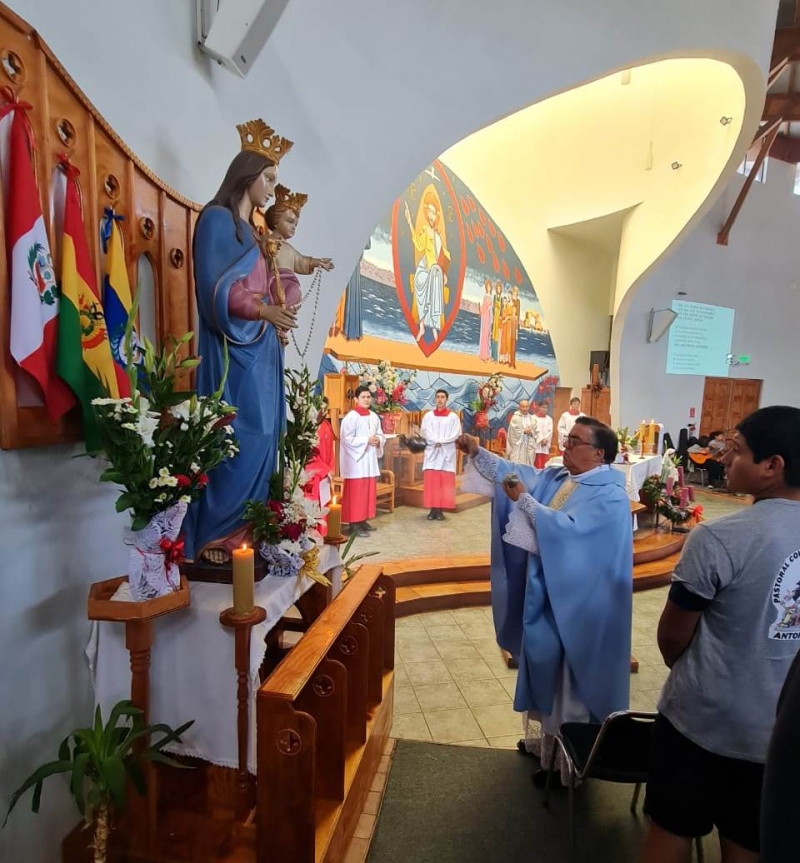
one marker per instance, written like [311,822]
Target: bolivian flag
[84,356]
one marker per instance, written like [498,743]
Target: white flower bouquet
[161,443]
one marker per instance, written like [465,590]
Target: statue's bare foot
[217,556]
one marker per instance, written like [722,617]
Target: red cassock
[360,499]
[440,426]
[439,490]
[320,467]
[358,460]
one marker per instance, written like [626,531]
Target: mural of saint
[433,261]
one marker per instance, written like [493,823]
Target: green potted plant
[100,760]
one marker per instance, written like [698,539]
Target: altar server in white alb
[544,436]
[567,421]
[361,444]
[441,428]
[521,446]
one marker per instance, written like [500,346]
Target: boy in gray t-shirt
[729,632]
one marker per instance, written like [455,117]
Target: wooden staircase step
[412,495]
[445,595]
[432,570]
[654,573]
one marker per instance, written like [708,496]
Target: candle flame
[335,500]
[244,546]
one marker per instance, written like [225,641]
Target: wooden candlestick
[242,624]
[335,540]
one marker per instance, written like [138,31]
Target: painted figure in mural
[282,219]
[521,446]
[484,349]
[516,317]
[433,262]
[497,316]
[239,307]
[505,329]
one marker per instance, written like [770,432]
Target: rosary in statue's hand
[325,263]
[282,318]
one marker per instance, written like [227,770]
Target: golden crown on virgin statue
[258,137]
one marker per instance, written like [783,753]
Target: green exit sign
[744,359]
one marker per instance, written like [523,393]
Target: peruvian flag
[34,292]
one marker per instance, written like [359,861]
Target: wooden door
[745,398]
[727,401]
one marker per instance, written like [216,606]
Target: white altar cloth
[192,673]
[636,471]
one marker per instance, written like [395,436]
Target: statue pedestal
[138,618]
[220,573]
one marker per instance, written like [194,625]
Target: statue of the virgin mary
[240,303]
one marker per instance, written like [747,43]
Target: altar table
[192,674]
[636,471]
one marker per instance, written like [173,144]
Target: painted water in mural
[439,288]
[438,273]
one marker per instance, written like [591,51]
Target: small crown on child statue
[286,198]
[258,137]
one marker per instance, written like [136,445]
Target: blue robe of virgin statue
[254,384]
[571,602]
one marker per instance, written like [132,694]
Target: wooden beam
[786,149]
[775,71]
[766,129]
[783,105]
[766,143]
[786,46]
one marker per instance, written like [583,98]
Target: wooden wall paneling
[175,283]
[191,220]
[146,233]
[8,391]
[65,121]
[114,187]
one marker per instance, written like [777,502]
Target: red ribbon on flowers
[173,550]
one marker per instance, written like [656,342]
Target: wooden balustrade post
[242,626]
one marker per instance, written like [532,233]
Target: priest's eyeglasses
[573,442]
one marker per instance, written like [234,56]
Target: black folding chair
[618,750]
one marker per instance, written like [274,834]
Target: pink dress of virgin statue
[484,350]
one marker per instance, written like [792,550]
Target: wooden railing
[323,718]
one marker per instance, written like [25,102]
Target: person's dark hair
[447,394]
[775,430]
[574,399]
[603,437]
[242,172]
[714,434]
[361,389]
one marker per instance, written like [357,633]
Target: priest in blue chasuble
[561,564]
[242,311]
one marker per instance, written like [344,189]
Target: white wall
[757,274]
[370,90]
